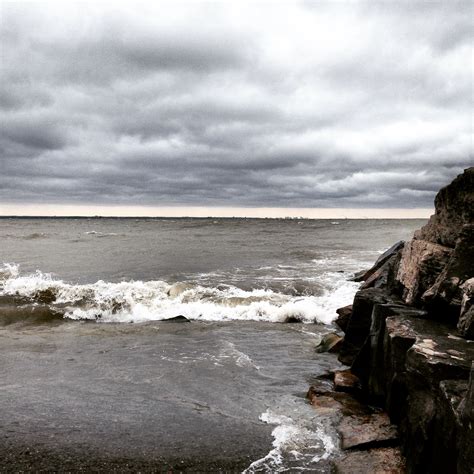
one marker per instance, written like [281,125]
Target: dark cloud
[311,104]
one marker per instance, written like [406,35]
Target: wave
[299,442]
[14,310]
[140,301]
[101,234]
[35,235]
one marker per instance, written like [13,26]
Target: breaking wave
[140,301]
[300,442]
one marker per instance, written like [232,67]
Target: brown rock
[345,381]
[330,342]
[344,316]
[343,402]
[373,461]
[369,431]
[420,265]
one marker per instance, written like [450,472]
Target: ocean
[112,378]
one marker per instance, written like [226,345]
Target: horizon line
[205,217]
[61,210]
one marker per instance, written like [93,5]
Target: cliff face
[409,337]
[438,261]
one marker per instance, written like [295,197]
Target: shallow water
[229,386]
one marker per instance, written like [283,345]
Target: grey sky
[309,104]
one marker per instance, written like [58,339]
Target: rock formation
[409,336]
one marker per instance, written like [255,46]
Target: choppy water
[126,270]
[248,274]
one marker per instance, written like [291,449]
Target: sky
[307,108]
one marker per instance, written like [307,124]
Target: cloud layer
[311,104]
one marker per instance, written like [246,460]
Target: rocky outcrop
[454,207]
[409,336]
[421,264]
[439,259]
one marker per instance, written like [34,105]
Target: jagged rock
[406,351]
[454,207]
[420,265]
[445,296]
[385,276]
[344,315]
[370,364]
[387,255]
[359,323]
[466,433]
[435,356]
[324,398]
[45,296]
[359,276]
[447,425]
[367,431]
[374,461]
[439,258]
[330,342]
[466,323]
[466,318]
[398,338]
[416,427]
[436,359]
[292,320]
[177,319]
[345,381]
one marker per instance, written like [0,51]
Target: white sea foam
[100,234]
[241,359]
[295,438]
[138,301]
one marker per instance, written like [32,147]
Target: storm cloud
[310,104]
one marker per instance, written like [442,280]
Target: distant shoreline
[220,218]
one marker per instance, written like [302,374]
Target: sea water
[239,371]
